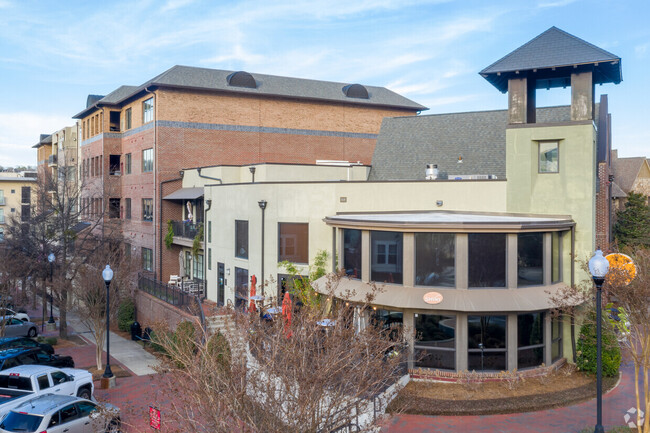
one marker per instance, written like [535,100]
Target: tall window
[487,260]
[352,253]
[435,259]
[241,287]
[556,338]
[293,242]
[435,341]
[188,263]
[209,259]
[209,231]
[127,118]
[530,340]
[147,209]
[147,259]
[556,254]
[147,110]
[241,239]
[2,234]
[25,212]
[2,197]
[549,154]
[386,252]
[113,207]
[127,250]
[127,163]
[198,267]
[2,216]
[147,160]
[486,339]
[26,194]
[127,208]
[530,259]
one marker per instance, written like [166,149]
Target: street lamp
[51,258]
[598,267]
[107,274]
[262,204]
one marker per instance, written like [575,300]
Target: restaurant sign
[432,298]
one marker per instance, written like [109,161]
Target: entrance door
[241,288]
[220,284]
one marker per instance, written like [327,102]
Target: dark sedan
[12,342]
[21,356]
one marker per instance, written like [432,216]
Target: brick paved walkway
[570,419]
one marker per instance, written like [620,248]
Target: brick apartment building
[137,139]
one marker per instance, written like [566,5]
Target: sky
[54,54]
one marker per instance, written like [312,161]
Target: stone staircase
[225,325]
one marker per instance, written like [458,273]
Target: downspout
[160,222]
[205,246]
[573,273]
[155,177]
[198,170]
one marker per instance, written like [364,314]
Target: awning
[185,194]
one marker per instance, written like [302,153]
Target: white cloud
[554,3]
[19,131]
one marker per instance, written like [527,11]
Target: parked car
[17,314]
[62,413]
[10,358]
[17,328]
[11,342]
[21,383]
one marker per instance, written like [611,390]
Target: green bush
[219,350]
[586,349]
[126,315]
[155,343]
[51,341]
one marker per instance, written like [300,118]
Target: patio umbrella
[181,264]
[286,313]
[251,308]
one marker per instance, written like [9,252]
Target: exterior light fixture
[598,268]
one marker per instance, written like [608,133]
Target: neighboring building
[135,141]
[16,198]
[44,154]
[499,226]
[629,175]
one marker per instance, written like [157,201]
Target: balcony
[186,230]
[51,161]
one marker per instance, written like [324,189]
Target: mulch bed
[117,370]
[427,398]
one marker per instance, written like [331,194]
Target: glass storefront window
[352,253]
[487,260]
[241,288]
[530,259]
[386,254]
[435,259]
[556,254]
[486,343]
[530,340]
[388,321]
[435,341]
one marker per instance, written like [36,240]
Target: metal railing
[186,229]
[164,292]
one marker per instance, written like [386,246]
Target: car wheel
[84,393]
[32,332]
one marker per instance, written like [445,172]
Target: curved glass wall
[486,343]
[530,259]
[530,340]
[435,341]
[487,260]
[386,257]
[435,255]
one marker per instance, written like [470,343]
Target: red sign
[432,298]
[154,418]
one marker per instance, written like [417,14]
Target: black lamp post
[107,274]
[51,258]
[262,204]
[598,267]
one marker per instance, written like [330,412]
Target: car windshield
[21,422]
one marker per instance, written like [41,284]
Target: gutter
[198,170]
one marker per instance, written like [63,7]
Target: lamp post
[107,274]
[598,267]
[262,204]
[51,258]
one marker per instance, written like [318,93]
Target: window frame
[128,119]
[147,110]
[147,160]
[127,163]
[147,203]
[127,208]
[147,259]
[241,235]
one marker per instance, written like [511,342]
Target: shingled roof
[407,144]
[626,170]
[551,50]
[186,77]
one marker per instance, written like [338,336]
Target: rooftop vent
[355,91]
[93,99]
[242,79]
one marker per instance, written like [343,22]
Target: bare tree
[629,312]
[318,373]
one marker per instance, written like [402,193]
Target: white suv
[62,413]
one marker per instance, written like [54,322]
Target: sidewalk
[128,353]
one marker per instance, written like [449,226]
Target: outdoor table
[274,310]
[326,322]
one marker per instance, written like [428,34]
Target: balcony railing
[168,293]
[185,229]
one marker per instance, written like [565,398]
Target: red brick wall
[603,215]
[151,310]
